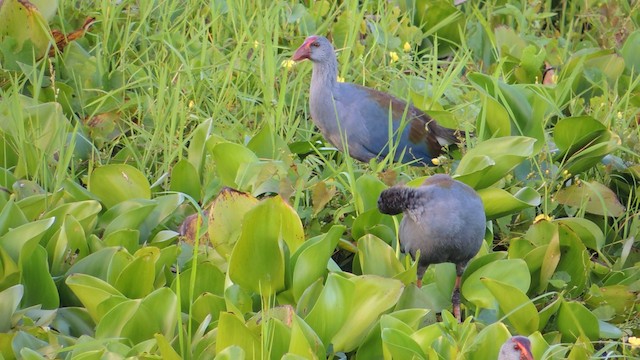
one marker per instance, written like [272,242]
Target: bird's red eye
[315,44]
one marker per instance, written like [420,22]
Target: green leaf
[257,261]
[493,120]
[39,287]
[575,320]
[230,158]
[594,197]
[515,304]
[368,190]
[184,178]
[115,183]
[304,341]
[513,272]
[629,51]
[378,258]
[590,234]
[25,238]
[498,202]
[233,332]
[504,153]
[137,278]
[208,279]
[401,345]
[267,144]
[310,261]
[92,292]
[226,214]
[9,300]
[486,345]
[196,153]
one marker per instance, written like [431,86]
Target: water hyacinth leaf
[590,234]
[594,197]
[128,320]
[629,50]
[207,304]
[129,218]
[208,279]
[184,179]
[67,245]
[232,352]
[232,331]
[486,345]
[368,189]
[268,144]
[162,304]
[498,202]
[92,292]
[197,150]
[73,321]
[372,295]
[574,133]
[515,304]
[115,183]
[575,261]
[126,238]
[166,351]
[137,278]
[11,217]
[257,260]
[374,223]
[28,29]
[513,272]
[226,214]
[505,153]
[24,343]
[548,311]
[304,341]
[24,238]
[493,120]
[39,287]
[9,300]
[575,320]
[378,258]
[326,317]
[400,345]
[609,331]
[84,211]
[310,261]
[230,159]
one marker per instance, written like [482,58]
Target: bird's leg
[455,298]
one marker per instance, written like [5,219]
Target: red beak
[304,51]
[525,350]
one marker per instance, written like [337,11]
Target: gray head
[316,48]
[516,348]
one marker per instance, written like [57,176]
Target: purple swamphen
[516,348]
[360,116]
[443,218]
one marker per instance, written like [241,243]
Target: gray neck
[324,78]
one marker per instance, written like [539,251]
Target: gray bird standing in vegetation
[516,348]
[443,218]
[361,117]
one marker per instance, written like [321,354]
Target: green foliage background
[165,194]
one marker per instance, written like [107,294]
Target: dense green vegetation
[166,112]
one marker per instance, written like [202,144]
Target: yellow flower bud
[394,56]
[340,78]
[288,63]
[406,47]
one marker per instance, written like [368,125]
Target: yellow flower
[435,161]
[340,78]
[394,56]
[542,217]
[406,47]
[288,63]
[256,44]
[619,115]
[191,104]
[634,341]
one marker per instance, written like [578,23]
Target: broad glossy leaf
[39,287]
[185,179]
[378,258]
[166,351]
[136,280]
[92,292]
[85,212]
[304,341]
[369,189]
[23,340]
[548,311]
[11,217]
[498,202]
[25,238]
[232,331]
[257,261]
[67,245]
[493,120]
[630,49]
[225,218]
[207,304]
[73,321]
[232,352]
[575,320]
[115,183]
[609,331]
[310,261]
[208,279]
[594,197]
[513,272]
[229,159]
[126,238]
[515,304]
[197,151]
[9,300]
[129,218]
[331,308]
[590,234]
[268,144]
[486,345]
[372,296]
[505,154]
[574,133]
[401,345]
